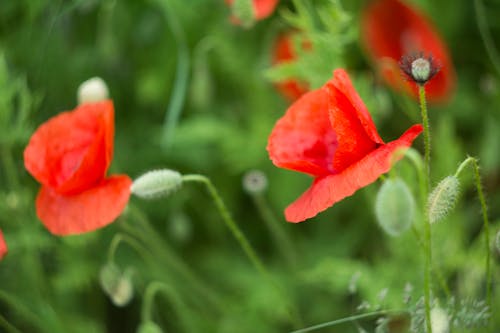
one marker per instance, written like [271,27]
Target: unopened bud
[254,182]
[157,183]
[116,284]
[92,90]
[394,207]
[442,199]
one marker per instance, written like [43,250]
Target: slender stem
[149,236]
[485,35]
[147,306]
[348,319]
[228,220]
[22,310]
[281,238]
[121,238]
[486,224]
[9,168]
[427,225]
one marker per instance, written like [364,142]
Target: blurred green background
[339,260]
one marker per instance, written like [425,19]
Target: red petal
[392,29]
[283,52]
[327,190]
[86,211]
[303,139]
[72,151]
[353,125]
[3,246]
[264,8]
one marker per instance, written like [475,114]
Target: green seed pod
[149,327]
[156,184]
[394,207]
[442,199]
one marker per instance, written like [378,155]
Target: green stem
[121,238]
[149,237]
[486,224]
[348,319]
[485,35]
[228,220]
[427,225]
[180,308]
[22,310]
[9,168]
[281,238]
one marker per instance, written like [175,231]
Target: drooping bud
[92,90]
[156,183]
[116,284]
[394,207]
[418,68]
[443,198]
[254,182]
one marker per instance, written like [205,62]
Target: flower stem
[121,238]
[485,35]
[427,225]
[486,224]
[147,306]
[228,220]
[281,238]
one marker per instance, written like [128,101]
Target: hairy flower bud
[442,199]
[116,284]
[157,183]
[92,90]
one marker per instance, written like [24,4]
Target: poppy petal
[85,211]
[72,160]
[3,246]
[303,140]
[392,29]
[356,132]
[327,190]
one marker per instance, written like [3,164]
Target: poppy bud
[117,285]
[149,327]
[93,90]
[394,207]
[254,182]
[157,183]
[442,199]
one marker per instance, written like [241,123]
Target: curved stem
[486,225]
[281,238]
[427,225]
[348,319]
[121,238]
[485,35]
[22,310]
[147,306]
[228,220]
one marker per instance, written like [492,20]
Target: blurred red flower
[69,155]
[282,53]
[391,29]
[3,246]
[329,134]
[261,8]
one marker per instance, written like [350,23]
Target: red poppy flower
[329,134]
[69,155]
[3,246]
[283,52]
[392,29]
[261,8]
